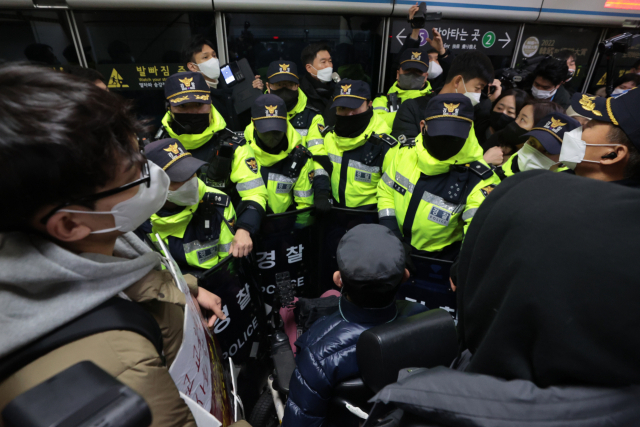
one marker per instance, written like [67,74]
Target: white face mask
[131,213]
[531,159]
[617,91]
[210,68]
[542,94]
[186,195]
[572,72]
[574,148]
[474,97]
[324,75]
[434,70]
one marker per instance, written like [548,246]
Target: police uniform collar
[471,151]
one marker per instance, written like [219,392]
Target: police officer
[542,149]
[196,222]
[285,163]
[305,119]
[434,185]
[411,82]
[200,129]
[607,147]
[357,146]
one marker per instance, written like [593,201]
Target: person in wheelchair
[197,221]
[371,263]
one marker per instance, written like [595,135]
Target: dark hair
[367,298]
[636,64]
[432,50]
[471,65]
[310,52]
[61,138]
[88,74]
[194,46]
[552,69]
[542,108]
[617,136]
[521,98]
[629,77]
[564,55]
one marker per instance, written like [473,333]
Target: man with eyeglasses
[66,248]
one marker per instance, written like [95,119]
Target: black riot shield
[430,285]
[336,225]
[286,250]
[241,334]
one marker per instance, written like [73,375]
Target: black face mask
[271,142]
[290,97]
[352,126]
[510,135]
[191,124]
[442,147]
[499,121]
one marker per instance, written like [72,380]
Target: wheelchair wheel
[264,412]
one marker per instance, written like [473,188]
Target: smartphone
[229,78]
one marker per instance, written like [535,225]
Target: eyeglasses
[145,179]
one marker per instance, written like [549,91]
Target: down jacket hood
[43,286]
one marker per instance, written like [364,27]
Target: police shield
[286,254]
[336,225]
[430,285]
[240,334]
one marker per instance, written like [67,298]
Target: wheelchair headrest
[425,340]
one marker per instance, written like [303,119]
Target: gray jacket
[446,397]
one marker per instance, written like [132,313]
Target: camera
[517,77]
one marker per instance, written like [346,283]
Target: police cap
[621,110]
[417,59]
[269,113]
[186,87]
[370,258]
[350,93]
[449,114]
[173,158]
[280,71]
[550,131]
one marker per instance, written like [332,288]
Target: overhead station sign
[460,36]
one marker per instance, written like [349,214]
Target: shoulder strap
[237,138]
[324,130]
[480,169]
[114,314]
[312,108]
[295,161]
[378,138]
[406,142]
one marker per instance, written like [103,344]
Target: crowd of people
[87,193]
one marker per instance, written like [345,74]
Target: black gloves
[408,262]
[322,201]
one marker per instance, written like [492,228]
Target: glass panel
[624,62]
[36,36]
[137,51]
[496,40]
[262,38]
[551,39]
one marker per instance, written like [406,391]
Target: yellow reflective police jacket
[193,141]
[358,163]
[244,168]
[288,181]
[383,106]
[417,189]
[193,239]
